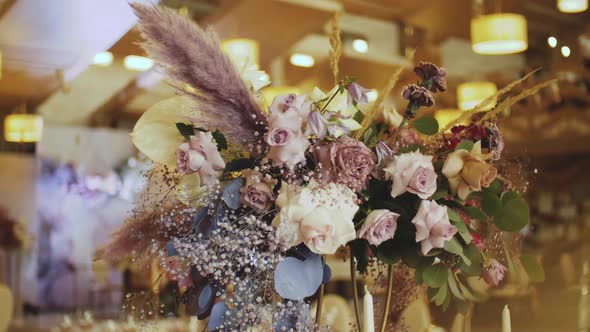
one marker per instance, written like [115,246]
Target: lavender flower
[357,93]
[384,153]
[317,125]
[435,78]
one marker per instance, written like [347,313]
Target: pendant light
[498,33]
[20,127]
[572,6]
[471,94]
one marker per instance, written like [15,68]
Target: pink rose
[433,227]
[200,154]
[412,172]
[257,193]
[379,226]
[346,161]
[285,137]
[493,273]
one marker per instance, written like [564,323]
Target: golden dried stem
[355,296]
[387,297]
[335,46]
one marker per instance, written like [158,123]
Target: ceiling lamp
[241,50]
[138,63]
[471,94]
[572,6]
[302,60]
[23,128]
[360,45]
[565,51]
[446,116]
[552,42]
[103,59]
[499,34]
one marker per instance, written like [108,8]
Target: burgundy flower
[435,78]
[418,95]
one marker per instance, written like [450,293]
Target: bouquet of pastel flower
[258,194]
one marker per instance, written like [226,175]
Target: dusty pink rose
[257,193]
[433,227]
[346,161]
[283,103]
[286,139]
[493,273]
[412,172]
[200,154]
[379,226]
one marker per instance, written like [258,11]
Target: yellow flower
[468,171]
[155,133]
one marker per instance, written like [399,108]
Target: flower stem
[355,296]
[329,101]
[387,297]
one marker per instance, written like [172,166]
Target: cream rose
[468,172]
[200,155]
[379,226]
[318,215]
[257,193]
[411,172]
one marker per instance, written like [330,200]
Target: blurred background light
[552,42]
[360,45]
[302,60]
[23,128]
[103,59]
[446,116]
[499,34]
[242,50]
[565,51]
[138,63]
[372,95]
[471,94]
[572,6]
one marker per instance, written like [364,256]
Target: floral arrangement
[259,193]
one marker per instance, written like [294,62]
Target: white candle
[369,320]
[506,326]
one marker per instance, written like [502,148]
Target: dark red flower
[434,78]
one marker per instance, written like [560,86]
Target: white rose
[319,216]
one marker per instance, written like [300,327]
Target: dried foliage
[335,46]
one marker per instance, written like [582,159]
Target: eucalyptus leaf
[454,288]
[453,246]
[475,213]
[441,295]
[491,204]
[435,276]
[186,130]
[231,193]
[296,280]
[474,255]
[462,230]
[220,140]
[426,125]
[454,215]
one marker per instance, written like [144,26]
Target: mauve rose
[257,193]
[200,154]
[433,227]
[411,172]
[379,226]
[279,136]
[346,161]
[418,95]
[493,273]
[286,139]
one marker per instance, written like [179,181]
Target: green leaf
[514,214]
[387,253]
[533,268]
[435,275]
[491,204]
[495,187]
[454,247]
[476,259]
[426,125]
[441,295]
[367,135]
[186,130]
[475,213]
[220,139]
[454,288]
[465,145]
[409,148]
[454,216]
[463,231]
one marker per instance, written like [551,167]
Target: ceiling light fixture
[138,63]
[502,33]
[23,128]
[302,60]
[242,51]
[103,59]
[552,42]
[572,6]
[360,45]
[565,51]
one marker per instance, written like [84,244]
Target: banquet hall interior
[74,80]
